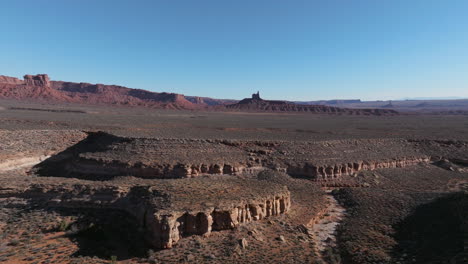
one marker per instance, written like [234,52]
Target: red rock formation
[37,80]
[34,87]
[207,101]
[39,87]
[199,100]
[257,104]
[10,80]
[119,95]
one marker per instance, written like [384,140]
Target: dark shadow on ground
[56,166]
[436,232]
[107,233]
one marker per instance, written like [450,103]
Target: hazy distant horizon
[312,100]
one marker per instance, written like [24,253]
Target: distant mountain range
[41,88]
[258,104]
[433,98]
[329,102]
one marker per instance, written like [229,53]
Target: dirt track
[325,230]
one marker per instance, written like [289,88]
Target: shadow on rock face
[58,165]
[108,233]
[435,233]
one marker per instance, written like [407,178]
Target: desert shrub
[332,256]
[14,242]
[63,225]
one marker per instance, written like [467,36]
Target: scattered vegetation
[63,225]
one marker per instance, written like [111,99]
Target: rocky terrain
[372,230]
[102,156]
[27,148]
[166,210]
[117,185]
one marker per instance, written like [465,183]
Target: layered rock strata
[40,87]
[258,104]
[103,169]
[37,80]
[170,227]
[102,156]
[330,172]
[167,210]
[10,80]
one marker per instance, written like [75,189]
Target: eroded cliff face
[330,172]
[120,95]
[95,169]
[88,93]
[165,218]
[257,104]
[33,87]
[167,229]
[10,80]
[170,159]
[37,80]
[40,87]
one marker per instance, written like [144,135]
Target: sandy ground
[325,230]
[21,163]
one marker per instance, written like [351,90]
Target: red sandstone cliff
[39,87]
[119,95]
[32,87]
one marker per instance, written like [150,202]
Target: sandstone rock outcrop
[33,87]
[10,80]
[330,172]
[40,87]
[170,228]
[119,95]
[207,101]
[165,212]
[37,80]
[102,156]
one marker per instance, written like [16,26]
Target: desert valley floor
[101,184]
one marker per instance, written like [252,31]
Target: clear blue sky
[294,49]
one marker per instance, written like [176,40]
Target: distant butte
[256,103]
